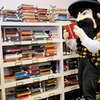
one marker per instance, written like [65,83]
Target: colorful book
[69,28]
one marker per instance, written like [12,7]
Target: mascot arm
[92,45]
[71,43]
[79,32]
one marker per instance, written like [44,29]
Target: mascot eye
[84,13]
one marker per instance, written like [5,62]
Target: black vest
[84,53]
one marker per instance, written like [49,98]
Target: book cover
[69,28]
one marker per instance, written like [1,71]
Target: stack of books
[70,64]
[26,35]
[22,91]
[42,15]
[51,84]
[27,12]
[33,70]
[26,52]
[54,34]
[11,16]
[36,88]
[51,50]
[61,14]
[11,54]
[10,94]
[38,51]
[10,35]
[45,69]
[20,72]
[70,80]
[40,35]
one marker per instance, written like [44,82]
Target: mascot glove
[98,15]
[66,35]
[79,32]
[71,43]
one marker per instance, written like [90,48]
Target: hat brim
[80,5]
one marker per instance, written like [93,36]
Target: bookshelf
[58,58]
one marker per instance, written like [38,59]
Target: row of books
[22,34]
[30,71]
[24,91]
[32,13]
[71,63]
[25,52]
[26,13]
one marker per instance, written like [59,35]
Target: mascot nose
[78,17]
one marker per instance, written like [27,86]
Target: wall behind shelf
[13,4]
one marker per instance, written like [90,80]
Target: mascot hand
[66,35]
[79,32]
[98,15]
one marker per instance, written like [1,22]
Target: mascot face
[86,21]
[86,14]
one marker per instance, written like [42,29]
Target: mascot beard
[87,25]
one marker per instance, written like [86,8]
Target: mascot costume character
[87,14]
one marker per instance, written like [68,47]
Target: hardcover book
[69,28]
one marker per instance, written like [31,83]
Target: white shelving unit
[60,76]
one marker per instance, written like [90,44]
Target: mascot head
[85,12]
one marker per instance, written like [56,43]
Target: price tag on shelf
[52,76]
[73,88]
[19,83]
[18,63]
[37,98]
[17,43]
[49,59]
[73,72]
[36,80]
[51,94]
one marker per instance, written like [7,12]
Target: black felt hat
[79,5]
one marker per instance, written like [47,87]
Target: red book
[69,28]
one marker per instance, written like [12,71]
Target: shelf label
[49,59]
[35,60]
[52,76]
[19,83]
[17,43]
[49,41]
[73,88]
[37,98]
[36,80]
[51,94]
[32,42]
[18,63]
[73,72]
